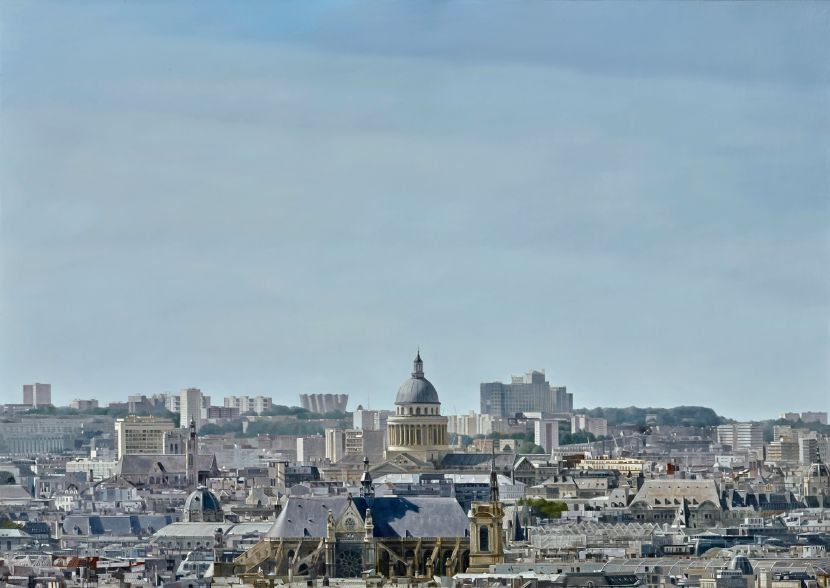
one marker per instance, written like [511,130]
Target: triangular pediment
[349,520]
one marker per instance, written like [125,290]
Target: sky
[293,197]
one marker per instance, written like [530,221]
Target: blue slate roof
[393,516]
[117,525]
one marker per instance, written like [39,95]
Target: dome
[417,389]
[202,506]
[819,470]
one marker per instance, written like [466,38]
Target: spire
[367,489]
[418,366]
[494,478]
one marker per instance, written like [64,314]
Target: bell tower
[486,537]
[191,451]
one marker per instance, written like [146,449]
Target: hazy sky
[278,198]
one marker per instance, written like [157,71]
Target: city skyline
[290,204]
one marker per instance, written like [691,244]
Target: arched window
[418,410]
[484,539]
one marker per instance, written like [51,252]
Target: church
[390,536]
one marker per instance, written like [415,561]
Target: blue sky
[280,198]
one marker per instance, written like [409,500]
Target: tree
[544,509]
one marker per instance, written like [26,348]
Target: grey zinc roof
[393,516]
[13,492]
[191,530]
[417,391]
[477,460]
[117,525]
[143,464]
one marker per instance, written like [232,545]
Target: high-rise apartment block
[222,413]
[191,407]
[806,417]
[141,434]
[546,434]
[779,452]
[471,424]
[807,450]
[528,393]
[742,436]
[596,426]
[173,402]
[371,420]
[36,395]
[255,404]
[364,443]
[83,405]
[311,449]
[335,444]
[323,403]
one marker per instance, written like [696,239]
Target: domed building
[417,427]
[202,506]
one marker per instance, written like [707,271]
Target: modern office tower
[596,426]
[141,434]
[255,404]
[742,436]
[311,449]
[191,408]
[527,393]
[335,444]
[36,395]
[323,403]
[546,434]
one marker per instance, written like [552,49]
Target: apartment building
[245,404]
[597,426]
[528,393]
[742,436]
[141,434]
[36,395]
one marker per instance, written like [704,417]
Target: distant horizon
[353,403]
[293,198]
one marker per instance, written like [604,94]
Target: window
[484,539]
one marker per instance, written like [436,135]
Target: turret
[418,366]
[367,488]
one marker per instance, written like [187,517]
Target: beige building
[191,408]
[622,465]
[141,434]
[782,452]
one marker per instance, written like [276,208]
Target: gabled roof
[664,492]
